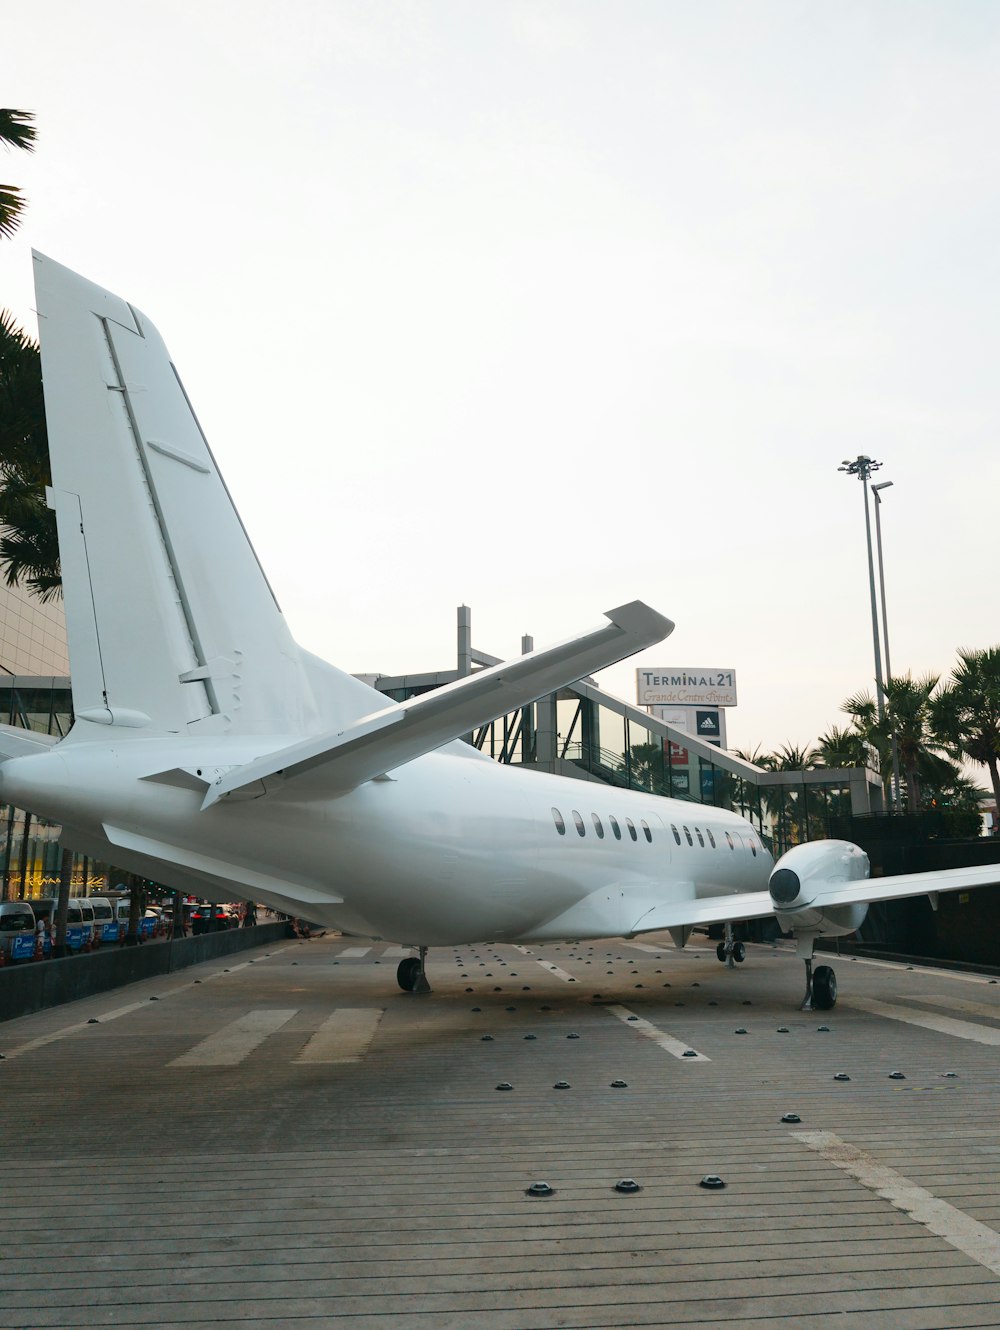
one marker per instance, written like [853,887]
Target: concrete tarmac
[289,1140]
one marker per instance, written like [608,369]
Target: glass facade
[32,853]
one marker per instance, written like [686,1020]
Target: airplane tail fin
[170,619]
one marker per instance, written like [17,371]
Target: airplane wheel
[407,972]
[739,953]
[824,988]
[720,951]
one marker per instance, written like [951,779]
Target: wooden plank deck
[388,1187]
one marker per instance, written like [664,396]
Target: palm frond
[12,206]
[17,129]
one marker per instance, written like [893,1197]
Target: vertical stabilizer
[170,619]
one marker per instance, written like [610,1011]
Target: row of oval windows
[581,827]
[616,830]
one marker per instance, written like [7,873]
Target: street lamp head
[883,486]
[862,467]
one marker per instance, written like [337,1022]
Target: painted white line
[235,1041]
[221,974]
[29,1046]
[395,953]
[344,1036]
[353,953]
[940,1218]
[959,1004]
[918,969]
[665,1041]
[43,1039]
[981,1034]
[122,1011]
[554,969]
[689,950]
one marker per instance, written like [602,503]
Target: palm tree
[29,549]
[907,717]
[16,131]
[841,748]
[966,713]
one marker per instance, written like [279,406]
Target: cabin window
[557,818]
[730,840]
[631,828]
[677,834]
[646,831]
[616,829]
[688,835]
[598,826]
[581,828]
[753,846]
[701,838]
[711,838]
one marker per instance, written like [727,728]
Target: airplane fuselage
[446,849]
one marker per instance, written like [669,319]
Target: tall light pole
[862,467]
[885,484]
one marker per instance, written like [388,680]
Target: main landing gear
[729,952]
[411,974]
[821,983]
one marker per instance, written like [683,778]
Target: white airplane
[210,753]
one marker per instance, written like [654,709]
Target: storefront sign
[692,687]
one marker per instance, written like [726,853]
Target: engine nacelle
[798,880]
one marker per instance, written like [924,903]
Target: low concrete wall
[33,985]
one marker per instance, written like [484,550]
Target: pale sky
[544,307]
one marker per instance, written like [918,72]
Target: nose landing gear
[411,974]
[821,983]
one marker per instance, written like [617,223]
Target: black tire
[407,972]
[739,953]
[824,988]
[720,951]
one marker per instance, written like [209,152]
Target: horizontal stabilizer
[18,742]
[388,739]
[234,879]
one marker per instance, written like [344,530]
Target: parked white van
[104,919]
[17,930]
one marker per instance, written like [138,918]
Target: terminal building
[582,732]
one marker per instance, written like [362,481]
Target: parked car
[212,919]
[17,930]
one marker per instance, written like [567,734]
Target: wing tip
[641,621]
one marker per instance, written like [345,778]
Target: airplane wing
[387,739]
[759,905]
[706,910]
[906,884]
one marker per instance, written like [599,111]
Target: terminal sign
[686,687]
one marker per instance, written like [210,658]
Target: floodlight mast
[884,485]
[862,467]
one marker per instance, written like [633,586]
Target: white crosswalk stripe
[236,1041]
[345,1036]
